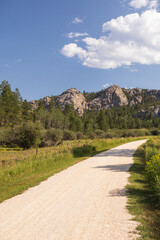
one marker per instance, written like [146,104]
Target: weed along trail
[84,202]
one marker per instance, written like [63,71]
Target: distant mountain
[114,96]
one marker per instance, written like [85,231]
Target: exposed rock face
[133,91]
[153,93]
[34,104]
[72,96]
[114,96]
[136,100]
[46,101]
[111,97]
[143,114]
[156,111]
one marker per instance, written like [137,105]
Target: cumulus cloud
[151,4]
[77,20]
[139,3]
[76,35]
[134,38]
[72,49]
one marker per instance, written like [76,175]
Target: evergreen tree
[9,105]
[101,121]
[26,111]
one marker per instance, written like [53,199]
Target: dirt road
[85,202]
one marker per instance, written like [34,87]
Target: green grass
[30,170]
[142,204]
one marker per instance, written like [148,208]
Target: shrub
[29,135]
[155,132]
[91,135]
[83,151]
[54,135]
[152,170]
[69,135]
[114,133]
[150,151]
[79,135]
[5,134]
[100,133]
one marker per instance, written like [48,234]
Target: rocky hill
[114,96]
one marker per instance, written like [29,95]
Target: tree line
[22,126]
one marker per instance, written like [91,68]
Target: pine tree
[26,111]
[10,105]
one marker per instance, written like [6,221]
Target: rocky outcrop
[133,91]
[153,93]
[136,100]
[72,96]
[46,101]
[146,114]
[34,104]
[108,98]
[114,96]
[156,111]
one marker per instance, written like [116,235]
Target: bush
[5,134]
[91,135]
[69,135]
[150,152]
[85,150]
[29,135]
[54,135]
[152,170]
[80,135]
[155,132]
[114,133]
[100,133]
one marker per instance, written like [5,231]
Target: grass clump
[86,150]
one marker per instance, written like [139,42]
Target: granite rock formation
[114,96]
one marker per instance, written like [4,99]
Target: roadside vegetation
[22,169]
[144,189]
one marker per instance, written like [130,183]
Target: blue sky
[48,46]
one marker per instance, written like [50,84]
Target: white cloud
[72,49]
[106,85]
[131,39]
[150,4]
[18,60]
[76,34]
[77,20]
[139,3]
[153,4]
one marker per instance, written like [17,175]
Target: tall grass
[152,166]
[142,202]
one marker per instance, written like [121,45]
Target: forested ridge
[21,125]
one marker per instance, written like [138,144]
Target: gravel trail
[84,202]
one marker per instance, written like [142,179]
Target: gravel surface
[84,202]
